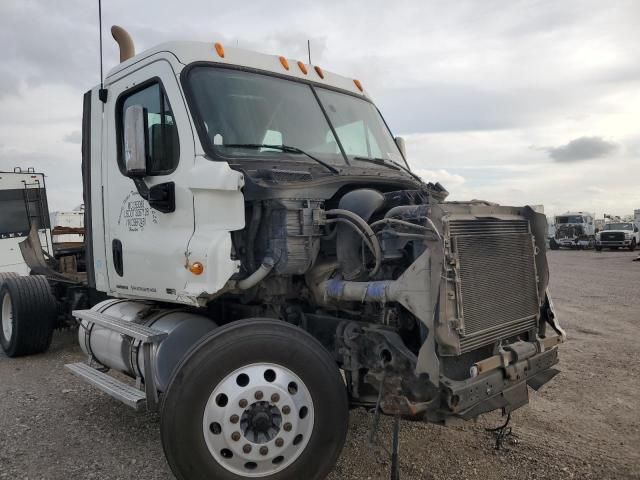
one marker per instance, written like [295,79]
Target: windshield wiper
[393,165]
[283,148]
[378,161]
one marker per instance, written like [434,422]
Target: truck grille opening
[498,288]
[612,236]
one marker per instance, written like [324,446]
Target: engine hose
[257,276]
[355,228]
[377,251]
[386,221]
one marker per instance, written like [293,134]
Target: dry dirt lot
[585,424]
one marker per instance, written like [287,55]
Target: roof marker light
[359,85]
[319,72]
[284,63]
[219,49]
[303,67]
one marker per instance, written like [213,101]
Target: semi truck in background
[574,230]
[23,206]
[260,258]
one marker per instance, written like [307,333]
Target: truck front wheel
[256,398]
[28,312]
[633,245]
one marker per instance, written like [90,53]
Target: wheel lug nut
[259,395]
[275,398]
[264,451]
[246,448]
[286,409]
[243,403]
[279,442]
[235,419]
[235,436]
[287,427]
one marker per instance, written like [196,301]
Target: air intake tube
[364,203]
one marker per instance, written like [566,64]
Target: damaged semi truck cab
[270,259]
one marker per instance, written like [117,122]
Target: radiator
[498,284]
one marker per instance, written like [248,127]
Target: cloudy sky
[514,101]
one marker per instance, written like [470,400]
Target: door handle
[118,263]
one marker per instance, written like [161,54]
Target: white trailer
[23,205]
[68,221]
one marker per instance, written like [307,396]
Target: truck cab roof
[189,52]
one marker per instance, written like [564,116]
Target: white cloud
[447,179]
[74,137]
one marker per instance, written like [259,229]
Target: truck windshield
[570,219]
[236,108]
[618,226]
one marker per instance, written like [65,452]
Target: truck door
[145,247]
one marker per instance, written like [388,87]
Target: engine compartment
[382,277]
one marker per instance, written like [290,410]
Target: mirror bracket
[161,197]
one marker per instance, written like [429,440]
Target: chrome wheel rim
[258,420]
[7,317]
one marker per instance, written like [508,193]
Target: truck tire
[5,275]
[599,248]
[633,245]
[255,398]
[28,311]
[554,245]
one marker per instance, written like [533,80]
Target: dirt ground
[584,424]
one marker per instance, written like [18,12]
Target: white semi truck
[574,230]
[260,258]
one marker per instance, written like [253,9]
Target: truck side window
[162,141]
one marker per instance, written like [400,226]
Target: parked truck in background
[23,205]
[260,257]
[574,230]
[616,235]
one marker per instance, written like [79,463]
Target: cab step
[127,394]
[130,329]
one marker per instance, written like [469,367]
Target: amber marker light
[196,268]
[359,85]
[284,63]
[319,72]
[303,67]
[219,49]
